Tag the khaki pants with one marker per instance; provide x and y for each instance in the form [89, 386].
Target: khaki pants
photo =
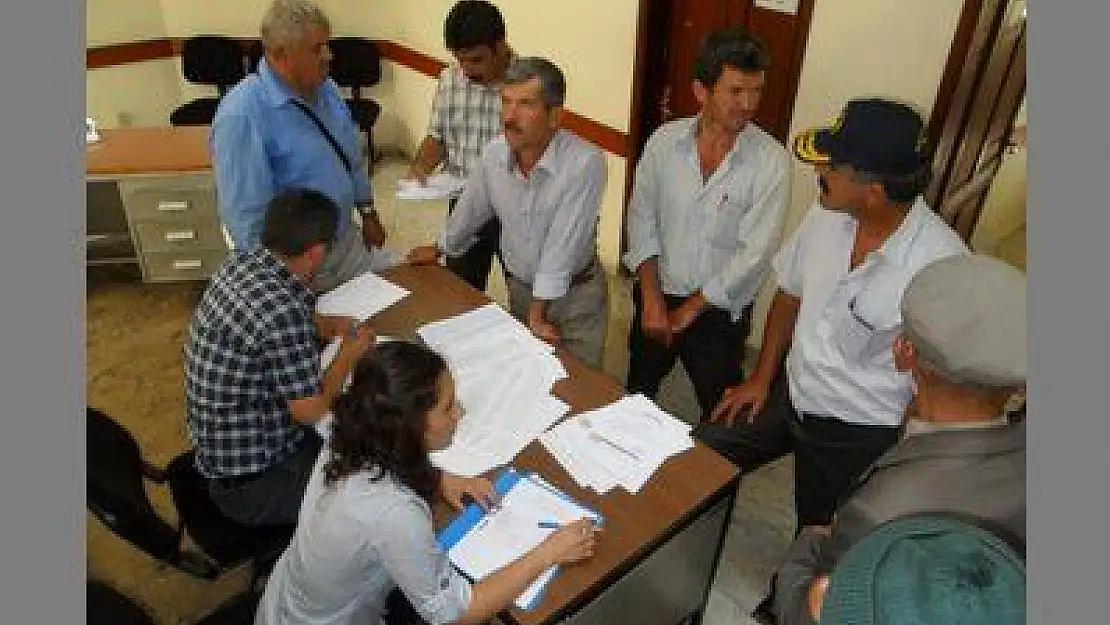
[581, 315]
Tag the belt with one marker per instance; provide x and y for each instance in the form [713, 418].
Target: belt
[236, 481]
[578, 279]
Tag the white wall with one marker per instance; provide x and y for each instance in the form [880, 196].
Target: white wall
[141, 94]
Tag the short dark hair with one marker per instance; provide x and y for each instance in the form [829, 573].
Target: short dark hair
[473, 23]
[380, 419]
[729, 46]
[297, 219]
[553, 86]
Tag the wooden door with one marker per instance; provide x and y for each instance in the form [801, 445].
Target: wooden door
[670, 32]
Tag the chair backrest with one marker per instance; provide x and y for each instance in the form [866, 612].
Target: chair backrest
[114, 490]
[356, 63]
[213, 60]
[255, 52]
[238, 610]
[104, 605]
[224, 540]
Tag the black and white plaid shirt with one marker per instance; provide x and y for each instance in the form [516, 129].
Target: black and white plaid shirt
[251, 347]
[465, 116]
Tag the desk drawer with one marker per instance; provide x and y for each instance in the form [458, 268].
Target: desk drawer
[181, 265]
[180, 199]
[190, 236]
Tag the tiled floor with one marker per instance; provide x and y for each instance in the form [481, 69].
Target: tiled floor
[763, 521]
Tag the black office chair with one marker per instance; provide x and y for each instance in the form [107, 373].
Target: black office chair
[357, 65]
[115, 494]
[213, 60]
[104, 605]
[238, 610]
[255, 52]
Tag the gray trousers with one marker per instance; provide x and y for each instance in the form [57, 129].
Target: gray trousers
[349, 258]
[581, 315]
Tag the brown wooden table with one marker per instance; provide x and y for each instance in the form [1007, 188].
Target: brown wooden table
[659, 549]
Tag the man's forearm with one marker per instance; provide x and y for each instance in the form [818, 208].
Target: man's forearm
[537, 309]
[428, 156]
[648, 277]
[778, 331]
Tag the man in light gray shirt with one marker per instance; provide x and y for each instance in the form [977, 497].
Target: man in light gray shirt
[706, 214]
[544, 184]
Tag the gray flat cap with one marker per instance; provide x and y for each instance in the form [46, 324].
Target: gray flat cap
[965, 315]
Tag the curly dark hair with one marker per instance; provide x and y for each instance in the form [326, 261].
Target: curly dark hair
[380, 419]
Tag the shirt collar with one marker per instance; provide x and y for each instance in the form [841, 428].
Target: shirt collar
[282, 273]
[549, 161]
[277, 90]
[688, 137]
[900, 242]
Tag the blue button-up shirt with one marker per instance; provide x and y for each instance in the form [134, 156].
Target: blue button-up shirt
[261, 144]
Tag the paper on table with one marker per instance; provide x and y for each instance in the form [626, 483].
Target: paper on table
[512, 530]
[438, 187]
[361, 297]
[623, 443]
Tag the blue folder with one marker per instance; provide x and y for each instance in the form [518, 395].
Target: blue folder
[472, 514]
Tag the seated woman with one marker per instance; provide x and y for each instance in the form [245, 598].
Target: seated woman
[365, 524]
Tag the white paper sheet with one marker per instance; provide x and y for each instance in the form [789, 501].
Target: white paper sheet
[621, 444]
[513, 530]
[361, 297]
[438, 187]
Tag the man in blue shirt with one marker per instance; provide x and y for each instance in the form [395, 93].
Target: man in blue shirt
[271, 132]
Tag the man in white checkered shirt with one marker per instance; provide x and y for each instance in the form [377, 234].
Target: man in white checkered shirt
[253, 384]
[466, 116]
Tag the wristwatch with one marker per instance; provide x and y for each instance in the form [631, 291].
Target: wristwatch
[366, 209]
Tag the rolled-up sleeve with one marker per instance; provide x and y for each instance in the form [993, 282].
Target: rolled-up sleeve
[787, 261]
[643, 212]
[244, 180]
[738, 281]
[573, 233]
[437, 122]
[406, 547]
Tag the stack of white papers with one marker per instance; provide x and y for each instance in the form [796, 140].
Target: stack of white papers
[621, 444]
[503, 376]
[437, 187]
[361, 297]
[513, 529]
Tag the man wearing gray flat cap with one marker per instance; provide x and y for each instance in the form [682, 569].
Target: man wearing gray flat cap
[963, 342]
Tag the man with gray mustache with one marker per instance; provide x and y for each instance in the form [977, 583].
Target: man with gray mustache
[544, 184]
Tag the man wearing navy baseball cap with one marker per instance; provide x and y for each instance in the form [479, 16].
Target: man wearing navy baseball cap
[825, 386]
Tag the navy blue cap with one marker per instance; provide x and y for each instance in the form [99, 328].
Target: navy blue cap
[872, 135]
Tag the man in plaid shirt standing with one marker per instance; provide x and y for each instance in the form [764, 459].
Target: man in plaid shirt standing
[466, 116]
[253, 383]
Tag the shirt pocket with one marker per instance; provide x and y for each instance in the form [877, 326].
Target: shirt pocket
[725, 216]
[865, 329]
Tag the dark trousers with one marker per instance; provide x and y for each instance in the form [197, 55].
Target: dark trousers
[829, 454]
[474, 266]
[711, 350]
[272, 497]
